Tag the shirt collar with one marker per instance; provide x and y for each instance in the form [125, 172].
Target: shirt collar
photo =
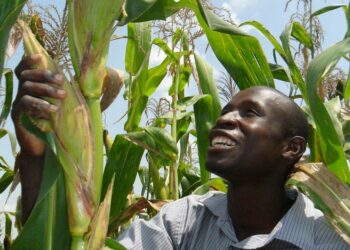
[296, 227]
[298, 224]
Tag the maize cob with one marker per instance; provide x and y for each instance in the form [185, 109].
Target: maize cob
[72, 133]
[327, 192]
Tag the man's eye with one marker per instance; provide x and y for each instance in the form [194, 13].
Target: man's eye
[251, 112]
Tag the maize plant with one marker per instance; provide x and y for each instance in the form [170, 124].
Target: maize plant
[77, 128]
[75, 156]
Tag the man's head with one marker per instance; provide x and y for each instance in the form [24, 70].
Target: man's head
[259, 132]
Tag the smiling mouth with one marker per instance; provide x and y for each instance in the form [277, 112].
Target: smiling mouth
[222, 142]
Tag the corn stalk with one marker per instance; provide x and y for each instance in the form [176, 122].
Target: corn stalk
[77, 128]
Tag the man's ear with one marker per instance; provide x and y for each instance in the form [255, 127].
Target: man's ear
[294, 148]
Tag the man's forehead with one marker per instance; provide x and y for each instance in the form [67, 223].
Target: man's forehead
[259, 95]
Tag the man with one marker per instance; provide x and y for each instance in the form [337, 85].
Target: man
[255, 143]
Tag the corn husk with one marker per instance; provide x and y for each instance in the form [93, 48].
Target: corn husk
[91, 25]
[327, 192]
[71, 130]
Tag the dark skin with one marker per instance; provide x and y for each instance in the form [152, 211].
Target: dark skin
[29, 100]
[248, 148]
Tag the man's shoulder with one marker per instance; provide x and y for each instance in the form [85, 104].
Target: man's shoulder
[325, 236]
[209, 200]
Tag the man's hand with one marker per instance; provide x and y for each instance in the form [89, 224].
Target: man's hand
[34, 85]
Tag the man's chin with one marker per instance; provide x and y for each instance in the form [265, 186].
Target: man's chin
[217, 169]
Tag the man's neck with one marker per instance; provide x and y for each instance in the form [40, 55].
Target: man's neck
[256, 208]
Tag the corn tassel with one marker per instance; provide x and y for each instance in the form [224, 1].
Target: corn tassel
[72, 133]
[327, 192]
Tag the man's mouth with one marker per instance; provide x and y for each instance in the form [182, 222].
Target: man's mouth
[222, 142]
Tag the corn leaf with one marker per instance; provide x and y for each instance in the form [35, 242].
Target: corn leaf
[123, 162]
[206, 111]
[142, 87]
[327, 192]
[216, 184]
[184, 103]
[9, 11]
[327, 9]
[99, 224]
[6, 180]
[289, 59]
[8, 98]
[113, 244]
[47, 225]
[301, 35]
[204, 118]
[281, 73]
[331, 146]
[146, 10]
[239, 53]
[259, 26]
[156, 140]
[139, 43]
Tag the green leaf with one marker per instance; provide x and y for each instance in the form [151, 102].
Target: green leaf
[47, 225]
[123, 162]
[155, 77]
[142, 87]
[267, 34]
[8, 225]
[156, 140]
[216, 183]
[295, 73]
[207, 83]
[9, 11]
[331, 146]
[183, 146]
[184, 103]
[182, 126]
[281, 73]
[113, 244]
[299, 33]
[139, 42]
[239, 53]
[205, 118]
[206, 111]
[327, 9]
[146, 10]
[8, 98]
[6, 180]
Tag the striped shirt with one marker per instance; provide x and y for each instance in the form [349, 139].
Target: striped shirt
[203, 222]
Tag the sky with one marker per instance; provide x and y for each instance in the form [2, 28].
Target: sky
[269, 12]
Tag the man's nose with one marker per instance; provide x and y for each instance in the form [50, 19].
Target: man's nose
[229, 120]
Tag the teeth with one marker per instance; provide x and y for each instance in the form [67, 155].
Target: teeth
[222, 141]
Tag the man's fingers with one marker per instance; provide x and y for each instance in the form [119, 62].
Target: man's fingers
[37, 89]
[27, 62]
[41, 75]
[37, 107]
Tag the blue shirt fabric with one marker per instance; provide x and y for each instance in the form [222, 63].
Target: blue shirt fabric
[203, 222]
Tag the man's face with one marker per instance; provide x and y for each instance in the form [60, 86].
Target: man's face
[247, 138]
